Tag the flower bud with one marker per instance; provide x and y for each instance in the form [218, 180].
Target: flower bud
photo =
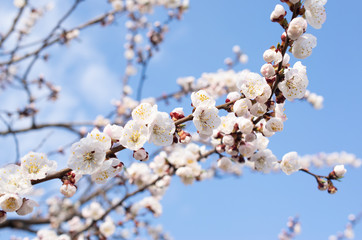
[267, 70]
[322, 184]
[228, 140]
[140, 154]
[339, 171]
[68, 190]
[177, 114]
[332, 189]
[296, 28]
[232, 96]
[278, 14]
[269, 55]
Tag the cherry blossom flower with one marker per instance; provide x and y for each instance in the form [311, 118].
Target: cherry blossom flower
[113, 131]
[27, 207]
[36, 165]
[206, 119]
[87, 156]
[252, 86]
[315, 12]
[241, 107]
[134, 135]
[161, 129]
[108, 170]
[274, 124]
[12, 180]
[144, 113]
[296, 28]
[290, 163]
[295, 83]
[202, 98]
[10, 202]
[227, 123]
[303, 46]
[263, 160]
[224, 163]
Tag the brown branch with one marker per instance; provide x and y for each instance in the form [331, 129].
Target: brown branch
[12, 28]
[57, 39]
[24, 223]
[68, 126]
[58, 174]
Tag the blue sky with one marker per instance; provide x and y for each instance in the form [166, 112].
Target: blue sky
[255, 206]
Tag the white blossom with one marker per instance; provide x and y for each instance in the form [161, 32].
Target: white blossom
[252, 86]
[12, 180]
[274, 124]
[232, 96]
[36, 165]
[224, 163]
[134, 135]
[93, 211]
[86, 156]
[315, 12]
[27, 207]
[227, 123]
[68, 190]
[10, 202]
[102, 138]
[247, 149]
[339, 170]
[113, 131]
[303, 46]
[144, 113]
[296, 28]
[267, 70]
[162, 129]
[186, 174]
[269, 55]
[107, 228]
[206, 119]
[263, 160]
[108, 170]
[278, 13]
[290, 163]
[245, 125]
[295, 82]
[228, 140]
[241, 107]
[264, 97]
[202, 98]
[19, 3]
[258, 109]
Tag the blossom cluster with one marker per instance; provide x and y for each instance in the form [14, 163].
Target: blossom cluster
[15, 183]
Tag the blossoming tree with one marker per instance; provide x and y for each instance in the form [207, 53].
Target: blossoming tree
[100, 194]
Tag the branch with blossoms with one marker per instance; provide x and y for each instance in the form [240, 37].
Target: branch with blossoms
[254, 109]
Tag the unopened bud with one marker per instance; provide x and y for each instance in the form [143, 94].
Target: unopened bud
[177, 114]
[68, 190]
[331, 188]
[140, 154]
[322, 184]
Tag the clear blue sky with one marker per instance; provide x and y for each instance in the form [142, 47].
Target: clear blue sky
[254, 206]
